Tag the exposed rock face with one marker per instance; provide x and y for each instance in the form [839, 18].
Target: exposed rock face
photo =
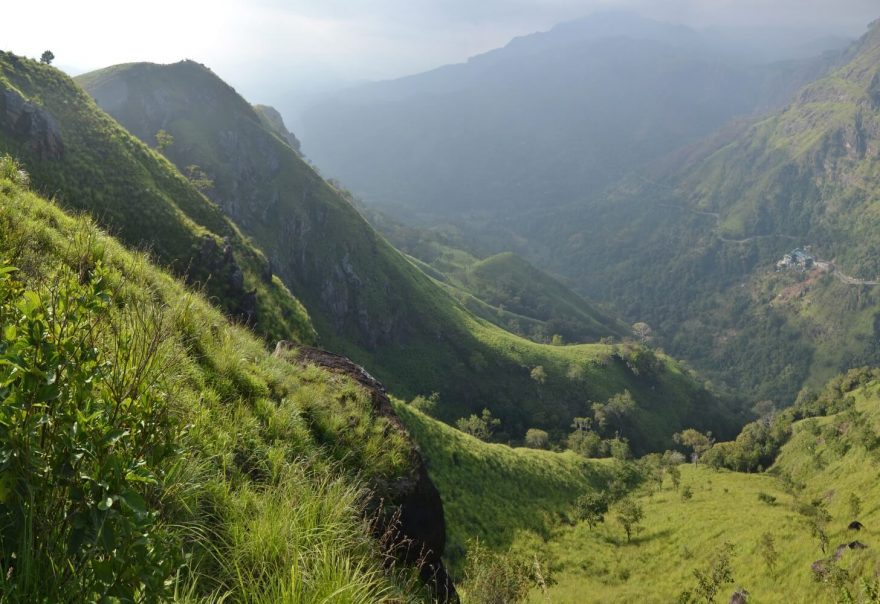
[273, 119]
[32, 125]
[416, 506]
[219, 261]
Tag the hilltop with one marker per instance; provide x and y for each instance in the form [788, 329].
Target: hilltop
[85, 160]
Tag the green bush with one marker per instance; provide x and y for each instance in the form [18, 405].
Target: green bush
[501, 578]
[86, 442]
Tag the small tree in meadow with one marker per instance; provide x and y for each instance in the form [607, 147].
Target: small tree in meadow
[718, 574]
[630, 515]
[696, 441]
[855, 506]
[769, 553]
[47, 57]
[674, 476]
[591, 508]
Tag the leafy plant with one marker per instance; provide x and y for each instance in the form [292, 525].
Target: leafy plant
[86, 438]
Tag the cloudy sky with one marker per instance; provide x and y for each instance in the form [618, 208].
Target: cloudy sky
[266, 46]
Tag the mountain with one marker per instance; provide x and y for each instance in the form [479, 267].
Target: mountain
[365, 299]
[691, 246]
[84, 159]
[548, 119]
[154, 451]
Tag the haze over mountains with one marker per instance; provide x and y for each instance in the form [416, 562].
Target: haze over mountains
[546, 120]
[576, 263]
[566, 147]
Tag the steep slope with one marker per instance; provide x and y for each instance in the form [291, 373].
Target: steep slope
[545, 120]
[366, 300]
[691, 245]
[80, 156]
[153, 451]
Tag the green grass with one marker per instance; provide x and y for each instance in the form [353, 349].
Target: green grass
[492, 492]
[264, 498]
[680, 536]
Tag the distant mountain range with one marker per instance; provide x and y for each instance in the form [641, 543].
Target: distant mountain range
[549, 119]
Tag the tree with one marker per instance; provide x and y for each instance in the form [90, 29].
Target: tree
[537, 439]
[591, 508]
[163, 140]
[629, 516]
[855, 506]
[615, 410]
[587, 443]
[47, 57]
[697, 442]
[675, 476]
[480, 427]
[718, 574]
[768, 552]
[642, 331]
[539, 374]
[198, 178]
[557, 340]
[426, 404]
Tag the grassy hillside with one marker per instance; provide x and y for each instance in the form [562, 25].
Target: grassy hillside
[525, 500]
[78, 155]
[518, 289]
[493, 492]
[151, 450]
[365, 299]
[828, 460]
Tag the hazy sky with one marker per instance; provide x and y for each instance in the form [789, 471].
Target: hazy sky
[297, 43]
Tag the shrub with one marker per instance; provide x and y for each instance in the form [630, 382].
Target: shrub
[500, 578]
[537, 439]
[86, 439]
[480, 427]
[767, 498]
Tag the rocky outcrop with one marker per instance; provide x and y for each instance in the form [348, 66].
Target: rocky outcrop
[272, 118]
[31, 124]
[216, 261]
[413, 508]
